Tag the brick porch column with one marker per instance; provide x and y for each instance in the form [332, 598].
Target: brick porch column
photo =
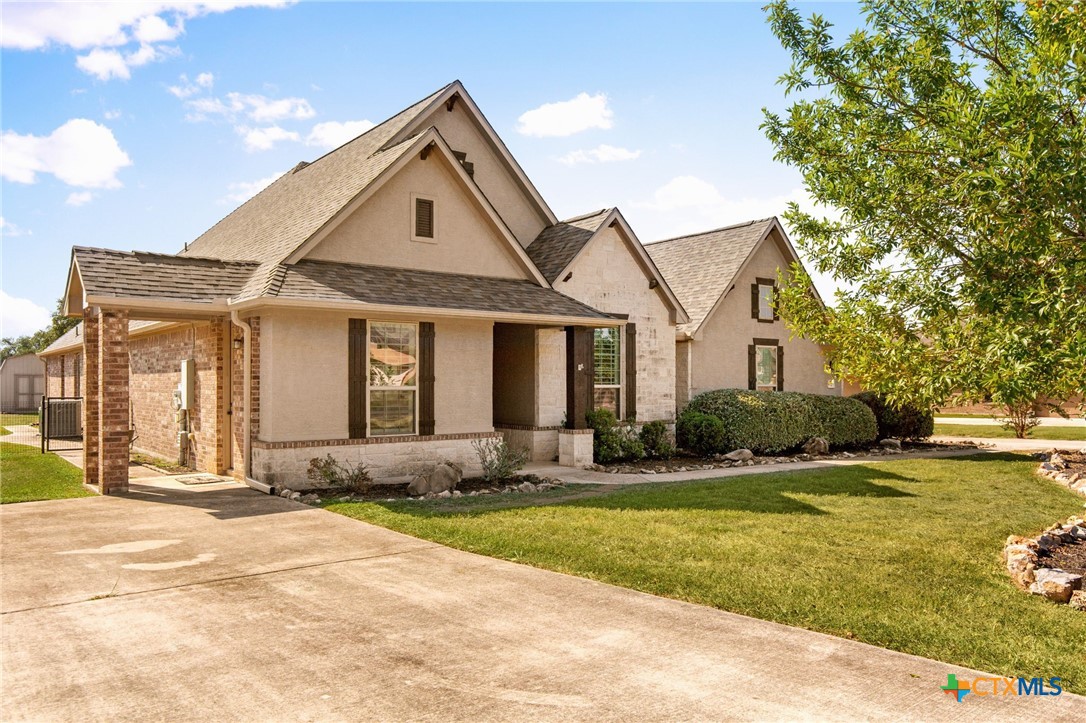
[89, 387]
[113, 410]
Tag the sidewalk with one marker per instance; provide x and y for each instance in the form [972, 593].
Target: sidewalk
[988, 421]
[572, 475]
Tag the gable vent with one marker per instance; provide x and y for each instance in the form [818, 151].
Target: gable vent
[424, 218]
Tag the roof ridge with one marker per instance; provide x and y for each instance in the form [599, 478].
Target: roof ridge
[583, 216]
[161, 254]
[713, 230]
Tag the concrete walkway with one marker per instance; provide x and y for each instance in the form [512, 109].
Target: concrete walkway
[221, 603]
[1014, 445]
[988, 421]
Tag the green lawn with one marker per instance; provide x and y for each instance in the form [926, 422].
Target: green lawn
[1075, 434]
[6, 419]
[903, 554]
[26, 474]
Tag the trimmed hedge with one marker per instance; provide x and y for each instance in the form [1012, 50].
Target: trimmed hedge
[901, 421]
[702, 434]
[772, 422]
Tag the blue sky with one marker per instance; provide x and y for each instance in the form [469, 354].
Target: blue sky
[137, 126]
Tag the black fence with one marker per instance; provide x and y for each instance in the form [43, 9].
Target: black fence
[60, 423]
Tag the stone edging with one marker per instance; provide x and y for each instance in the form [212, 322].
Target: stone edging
[1022, 556]
[1054, 468]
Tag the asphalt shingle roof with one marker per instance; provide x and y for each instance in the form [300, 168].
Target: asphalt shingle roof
[273, 223]
[701, 267]
[136, 274]
[557, 245]
[74, 336]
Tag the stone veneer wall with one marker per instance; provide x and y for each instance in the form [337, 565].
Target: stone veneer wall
[284, 464]
[541, 443]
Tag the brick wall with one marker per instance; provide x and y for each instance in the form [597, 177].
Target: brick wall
[63, 375]
[237, 391]
[113, 409]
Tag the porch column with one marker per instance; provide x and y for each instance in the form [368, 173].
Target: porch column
[113, 411]
[89, 386]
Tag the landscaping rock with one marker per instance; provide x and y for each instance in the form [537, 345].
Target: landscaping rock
[890, 443]
[295, 496]
[443, 494]
[739, 455]
[1057, 462]
[817, 445]
[1078, 600]
[1056, 585]
[526, 487]
[286, 493]
[444, 478]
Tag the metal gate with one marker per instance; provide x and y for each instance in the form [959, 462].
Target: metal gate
[60, 422]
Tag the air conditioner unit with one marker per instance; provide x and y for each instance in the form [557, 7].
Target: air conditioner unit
[64, 418]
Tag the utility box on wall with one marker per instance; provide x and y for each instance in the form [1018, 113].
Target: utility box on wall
[187, 388]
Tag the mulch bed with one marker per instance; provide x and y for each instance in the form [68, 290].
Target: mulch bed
[384, 492]
[1070, 557]
[685, 462]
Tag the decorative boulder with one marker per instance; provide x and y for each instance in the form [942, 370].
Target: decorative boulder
[1078, 600]
[890, 443]
[739, 455]
[1057, 462]
[1056, 585]
[444, 478]
[817, 445]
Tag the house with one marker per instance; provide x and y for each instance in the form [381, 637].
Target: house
[726, 280]
[392, 302]
[22, 383]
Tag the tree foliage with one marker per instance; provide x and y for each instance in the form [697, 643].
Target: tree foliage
[33, 343]
[951, 138]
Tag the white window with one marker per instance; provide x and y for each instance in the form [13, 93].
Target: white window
[607, 369]
[393, 378]
[423, 218]
[765, 302]
[765, 368]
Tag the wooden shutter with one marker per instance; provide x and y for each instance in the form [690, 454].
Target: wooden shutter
[754, 301]
[357, 376]
[631, 371]
[427, 423]
[780, 368]
[579, 375]
[752, 372]
[424, 218]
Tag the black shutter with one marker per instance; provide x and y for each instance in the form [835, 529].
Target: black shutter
[424, 218]
[631, 372]
[780, 368]
[752, 374]
[357, 376]
[579, 375]
[426, 378]
[754, 301]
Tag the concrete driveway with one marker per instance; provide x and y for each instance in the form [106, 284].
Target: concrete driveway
[220, 603]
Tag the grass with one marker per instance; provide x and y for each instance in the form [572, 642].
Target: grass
[903, 554]
[1073, 434]
[26, 475]
[6, 419]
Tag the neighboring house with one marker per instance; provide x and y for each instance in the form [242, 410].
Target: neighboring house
[22, 383]
[726, 280]
[393, 302]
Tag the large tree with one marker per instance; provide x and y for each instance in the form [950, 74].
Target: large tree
[951, 136]
[58, 324]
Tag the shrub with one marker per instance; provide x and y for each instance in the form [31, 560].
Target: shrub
[499, 460]
[901, 421]
[1020, 419]
[328, 472]
[654, 438]
[701, 433]
[611, 442]
[773, 422]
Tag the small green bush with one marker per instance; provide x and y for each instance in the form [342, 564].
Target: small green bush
[655, 440]
[901, 421]
[328, 472]
[499, 460]
[610, 441]
[774, 422]
[701, 433]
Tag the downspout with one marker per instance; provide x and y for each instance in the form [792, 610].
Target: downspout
[246, 422]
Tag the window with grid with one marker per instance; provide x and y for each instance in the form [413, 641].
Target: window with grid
[607, 363]
[766, 293]
[393, 385]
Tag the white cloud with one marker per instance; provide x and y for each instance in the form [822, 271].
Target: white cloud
[186, 87]
[243, 191]
[686, 192]
[111, 114]
[79, 153]
[600, 154]
[10, 230]
[333, 134]
[79, 198]
[105, 26]
[567, 117]
[258, 108]
[21, 316]
[264, 139]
